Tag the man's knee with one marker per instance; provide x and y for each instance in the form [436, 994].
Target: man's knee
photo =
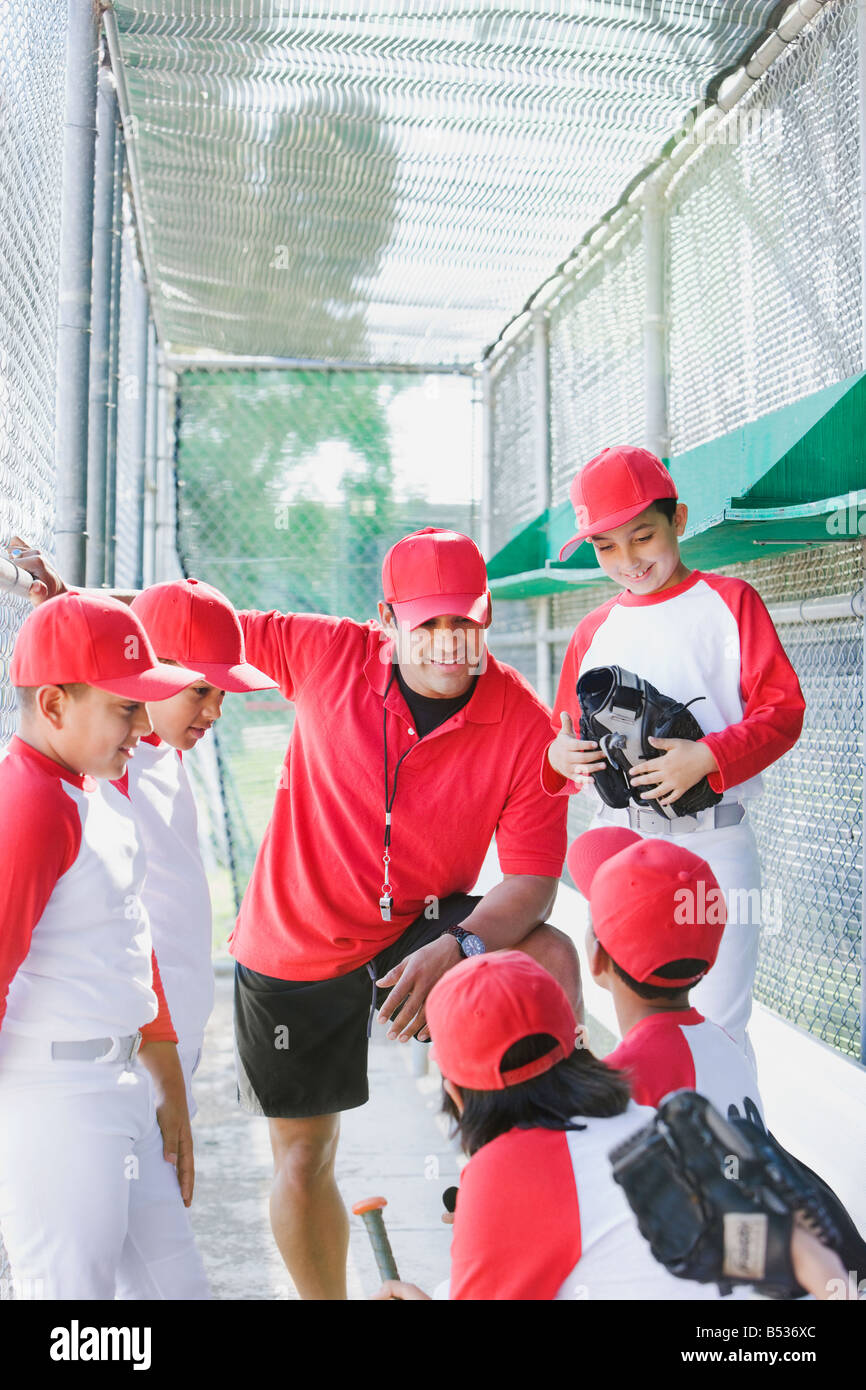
[556, 951]
[304, 1150]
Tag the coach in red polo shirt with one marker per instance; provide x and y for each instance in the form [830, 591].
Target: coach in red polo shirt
[412, 748]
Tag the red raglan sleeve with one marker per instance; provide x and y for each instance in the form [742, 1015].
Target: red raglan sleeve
[40, 834]
[566, 696]
[655, 1064]
[287, 646]
[531, 835]
[161, 1029]
[774, 705]
[517, 1224]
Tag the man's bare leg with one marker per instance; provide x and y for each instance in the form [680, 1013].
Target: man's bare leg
[556, 952]
[308, 1219]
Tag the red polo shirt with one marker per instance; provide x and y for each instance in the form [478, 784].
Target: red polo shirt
[311, 910]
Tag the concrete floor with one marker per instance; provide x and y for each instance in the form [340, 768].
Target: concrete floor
[396, 1146]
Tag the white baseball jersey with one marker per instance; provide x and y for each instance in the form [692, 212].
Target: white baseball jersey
[75, 951]
[540, 1217]
[681, 1050]
[176, 893]
[76, 963]
[709, 637]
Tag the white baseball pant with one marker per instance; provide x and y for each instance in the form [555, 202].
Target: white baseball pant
[89, 1207]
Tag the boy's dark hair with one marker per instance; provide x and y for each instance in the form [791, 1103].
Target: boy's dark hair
[26, 694]
[674, 970]
[667, 506]
[579, 1084]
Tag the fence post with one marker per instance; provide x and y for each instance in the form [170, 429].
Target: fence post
[541, 447]
[135, 397]
[164, 566]
[114, 363]
[148, 512]
[100, 324]
[74, 288]
[656, 425]
[486, 527]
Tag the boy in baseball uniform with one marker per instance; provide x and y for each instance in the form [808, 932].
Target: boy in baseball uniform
[690, 634]
[657, 921]
[180, 617]
[193, 625]
[89, 1206]
[539, 1216]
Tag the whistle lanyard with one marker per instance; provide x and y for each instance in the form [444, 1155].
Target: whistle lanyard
[386, 899]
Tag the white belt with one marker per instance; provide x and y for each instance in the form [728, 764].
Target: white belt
[18, 1045]
[655, 823]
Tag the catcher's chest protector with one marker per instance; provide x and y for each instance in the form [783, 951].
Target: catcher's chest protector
[620, 712]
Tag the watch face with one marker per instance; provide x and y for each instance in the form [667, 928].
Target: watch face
[472, 945]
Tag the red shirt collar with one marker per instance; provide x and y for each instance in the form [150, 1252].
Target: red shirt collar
[487, 701]
[78, 779]
[689, 1017]
[630, 600]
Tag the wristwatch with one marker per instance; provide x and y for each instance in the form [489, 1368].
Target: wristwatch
[469, 943]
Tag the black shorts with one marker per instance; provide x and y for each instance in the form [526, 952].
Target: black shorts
[301, 1045]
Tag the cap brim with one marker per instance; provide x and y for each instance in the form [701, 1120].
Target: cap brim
[238, 679]
[416, 611]
[160, 682]
[603, 523]
[589, 851]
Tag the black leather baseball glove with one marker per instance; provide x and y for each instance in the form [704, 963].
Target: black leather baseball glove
[620, 712]
[716, 1199]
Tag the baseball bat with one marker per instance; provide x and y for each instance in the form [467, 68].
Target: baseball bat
[370, 1210]
[18, 581]
[13, 579]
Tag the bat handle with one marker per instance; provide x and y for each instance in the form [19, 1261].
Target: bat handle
[14, 579]
[371, 1213]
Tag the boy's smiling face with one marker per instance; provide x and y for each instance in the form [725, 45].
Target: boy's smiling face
[643, 555]
[86, 729]
[184, 719]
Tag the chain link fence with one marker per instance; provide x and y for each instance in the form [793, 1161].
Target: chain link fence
[32, 78]
[32, 82]
[763, 284]
[291, 486]
[762, 307]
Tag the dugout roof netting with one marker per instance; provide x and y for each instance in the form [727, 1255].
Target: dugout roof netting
[387, 181]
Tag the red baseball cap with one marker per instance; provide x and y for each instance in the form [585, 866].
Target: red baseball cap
[589, 851]
[484, 1005]
[652, 902]
[192, 622]
[87, 639]
[615, 486]
[432, 572]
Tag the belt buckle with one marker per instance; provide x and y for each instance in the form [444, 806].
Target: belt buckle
[112, 1055]
[684, 828]
[651, 822]
[122, 1050]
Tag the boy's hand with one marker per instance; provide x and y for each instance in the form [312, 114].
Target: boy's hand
[400, 1290]
[47, 582]
[572, 757]
[172, 1114]
[672, 774]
